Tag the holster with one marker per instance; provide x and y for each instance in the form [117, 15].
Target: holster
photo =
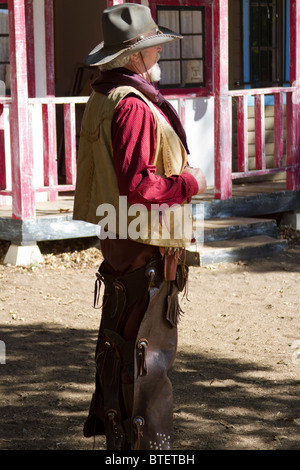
[136, 412]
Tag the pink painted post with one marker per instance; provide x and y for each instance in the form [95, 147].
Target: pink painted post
[49, 116]
[110, 3]
[2, 151]
[50, 147]
[242, 118]
[222, 122]
[49, 40]
[259, 113]
[182, 105]
[30, 48]
[278, 130]
[291, 120]
[293, 103]
[70, 142]
[23, 203]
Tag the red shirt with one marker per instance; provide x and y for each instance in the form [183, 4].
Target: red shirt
[134, 141]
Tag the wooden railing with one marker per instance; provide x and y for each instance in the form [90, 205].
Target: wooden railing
[51, 145]
[287, 139]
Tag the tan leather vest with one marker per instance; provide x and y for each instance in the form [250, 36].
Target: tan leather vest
[97, 190]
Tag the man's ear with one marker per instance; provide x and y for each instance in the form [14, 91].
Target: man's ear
[134, 58]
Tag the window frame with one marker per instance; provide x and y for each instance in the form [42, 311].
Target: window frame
[248, 83]
[181, 60]
[193, 91]
[4, 6]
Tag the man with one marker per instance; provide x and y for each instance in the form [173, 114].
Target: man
[133, 146]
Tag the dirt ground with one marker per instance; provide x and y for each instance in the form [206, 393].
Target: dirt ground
[236, 375]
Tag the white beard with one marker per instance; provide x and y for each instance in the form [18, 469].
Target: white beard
[155, 73]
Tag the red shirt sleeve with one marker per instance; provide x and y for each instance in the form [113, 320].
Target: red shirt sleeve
[133, 141]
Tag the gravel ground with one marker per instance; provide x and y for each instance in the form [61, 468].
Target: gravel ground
[236, 375]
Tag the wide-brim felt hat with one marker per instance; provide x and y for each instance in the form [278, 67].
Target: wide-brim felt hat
[128, 28]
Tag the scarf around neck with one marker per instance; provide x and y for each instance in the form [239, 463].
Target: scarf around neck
[111, 79]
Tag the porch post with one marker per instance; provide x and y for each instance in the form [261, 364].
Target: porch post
[293, 106]
[49, 111]
[111, 3]
[222, 120]
[23, 202]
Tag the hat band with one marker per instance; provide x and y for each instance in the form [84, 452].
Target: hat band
[131, 42]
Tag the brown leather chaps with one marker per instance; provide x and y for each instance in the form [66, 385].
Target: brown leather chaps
[132, 404]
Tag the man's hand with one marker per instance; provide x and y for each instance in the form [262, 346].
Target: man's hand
[198, 174]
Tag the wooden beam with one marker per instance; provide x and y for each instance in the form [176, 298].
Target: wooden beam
[242, 118]
[293, 105]
[49, 47]
[50, 147]
[2, 150]
[70, 142]
[30, 48]
[49, 112]
[23, 203]
[222, 121]
[260, 145]
[278, 130]
[111, 3]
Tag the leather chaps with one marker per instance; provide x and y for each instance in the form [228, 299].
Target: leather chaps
[132, 404]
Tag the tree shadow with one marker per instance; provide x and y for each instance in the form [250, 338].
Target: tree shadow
[48, 379]
[47, 382]
[223, 404]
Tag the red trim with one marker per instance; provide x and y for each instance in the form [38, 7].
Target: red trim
[182, 105]
[5, 193]
[291, 145]
[185, 92]
[55, 189]
[259, 91]
[269, 171]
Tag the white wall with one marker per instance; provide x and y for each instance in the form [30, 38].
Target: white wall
[39, 48]
[199, 126]
[199, 115]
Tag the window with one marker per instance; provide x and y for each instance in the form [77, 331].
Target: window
[4, 50]
[265, 43]
[182, 62]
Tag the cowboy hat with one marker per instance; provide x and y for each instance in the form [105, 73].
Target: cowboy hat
[128, 28]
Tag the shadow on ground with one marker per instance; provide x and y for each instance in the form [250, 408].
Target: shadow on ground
[47, 382]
